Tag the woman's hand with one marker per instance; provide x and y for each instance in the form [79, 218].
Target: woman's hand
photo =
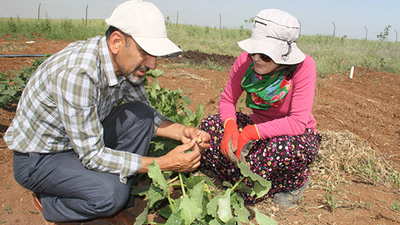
[246, 139]
[229, 142]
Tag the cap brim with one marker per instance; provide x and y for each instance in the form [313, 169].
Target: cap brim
[157, 46]
[274, 50]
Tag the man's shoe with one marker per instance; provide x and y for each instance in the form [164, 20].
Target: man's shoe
[38, 205]
[290, 198]
[121, 218]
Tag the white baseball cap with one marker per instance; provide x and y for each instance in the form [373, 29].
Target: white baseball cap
[275, 34]
[145, 23]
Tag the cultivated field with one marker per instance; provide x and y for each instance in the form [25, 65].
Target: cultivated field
[354, 181]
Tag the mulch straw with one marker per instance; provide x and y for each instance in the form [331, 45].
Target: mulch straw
[345, 158]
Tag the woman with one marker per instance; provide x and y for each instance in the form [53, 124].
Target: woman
[279, 139]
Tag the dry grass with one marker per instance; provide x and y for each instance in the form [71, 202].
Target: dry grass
[345, 158]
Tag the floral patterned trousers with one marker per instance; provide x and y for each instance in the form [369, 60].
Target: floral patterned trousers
[283, 160]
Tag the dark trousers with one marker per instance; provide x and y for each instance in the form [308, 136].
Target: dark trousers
[67, 190]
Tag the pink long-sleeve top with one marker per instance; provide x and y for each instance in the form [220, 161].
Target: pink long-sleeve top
[292, 117]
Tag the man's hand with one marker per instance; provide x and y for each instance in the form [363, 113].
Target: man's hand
[185, 134]
[181, 159]
[201, 137]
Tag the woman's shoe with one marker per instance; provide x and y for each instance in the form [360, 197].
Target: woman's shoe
[290, 198]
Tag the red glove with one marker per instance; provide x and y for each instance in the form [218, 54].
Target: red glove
[229, 142]
[246, 140]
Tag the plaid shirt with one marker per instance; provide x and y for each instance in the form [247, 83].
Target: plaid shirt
[66, 100]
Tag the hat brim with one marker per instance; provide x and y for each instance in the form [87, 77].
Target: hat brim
[157, 46]
[273, 48]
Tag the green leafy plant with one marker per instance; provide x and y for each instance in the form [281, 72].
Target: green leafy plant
[198, 204]
[383, 36]
[331, 201]
[11, 88]
[173, 105]
[396, 205]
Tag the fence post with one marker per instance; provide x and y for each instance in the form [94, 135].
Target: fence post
[334, 29]
[396, 35]
[220, 20]
[177, 16]
[86, 12]
[299, 28]
[38, 17]
[366, 33]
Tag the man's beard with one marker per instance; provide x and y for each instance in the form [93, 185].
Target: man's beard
[137, 80]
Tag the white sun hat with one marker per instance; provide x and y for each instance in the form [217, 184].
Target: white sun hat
[275, 34]
[145, 23]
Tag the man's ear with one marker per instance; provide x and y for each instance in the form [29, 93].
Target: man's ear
[116, 42]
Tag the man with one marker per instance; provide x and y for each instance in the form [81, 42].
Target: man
[75, 146]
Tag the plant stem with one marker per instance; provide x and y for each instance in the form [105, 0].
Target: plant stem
[183, 187]
[171, 203]
[237, 183]
[172, 180]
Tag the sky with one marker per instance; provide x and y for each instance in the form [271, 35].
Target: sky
[355, 19]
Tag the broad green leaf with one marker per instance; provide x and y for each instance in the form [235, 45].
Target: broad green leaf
[216, 222]
[189, 210]
[196, 193]
[239, 209]
[158, 179]
[260, 190]
[10, 92]
[174, 219]
[199, 115]
[159, 188]
[227, 184]
[193, 180]
[142, 218]
[187, 111]
[261, 185]
[167, 174]
[242, 213]
[232, 221]
[4, 99]
[165, 212]
[156, 73]
[186, 100]
[154, 195]
[244, 169]
[212, 206]
[263, 219]
[243, 187]
[19, 82]
[224, 207]
[140, 190]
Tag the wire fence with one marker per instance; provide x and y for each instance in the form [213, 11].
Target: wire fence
[232, 21]
[68, 10]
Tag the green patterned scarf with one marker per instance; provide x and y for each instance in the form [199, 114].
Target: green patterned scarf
[264, 92]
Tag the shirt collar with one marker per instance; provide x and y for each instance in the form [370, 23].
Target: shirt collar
[107, 63]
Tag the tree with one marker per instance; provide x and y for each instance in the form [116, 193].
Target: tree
[383, 36]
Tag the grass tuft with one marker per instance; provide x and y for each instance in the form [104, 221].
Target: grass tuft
[345, 158]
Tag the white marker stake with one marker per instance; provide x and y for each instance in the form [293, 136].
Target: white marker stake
[351, 72]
